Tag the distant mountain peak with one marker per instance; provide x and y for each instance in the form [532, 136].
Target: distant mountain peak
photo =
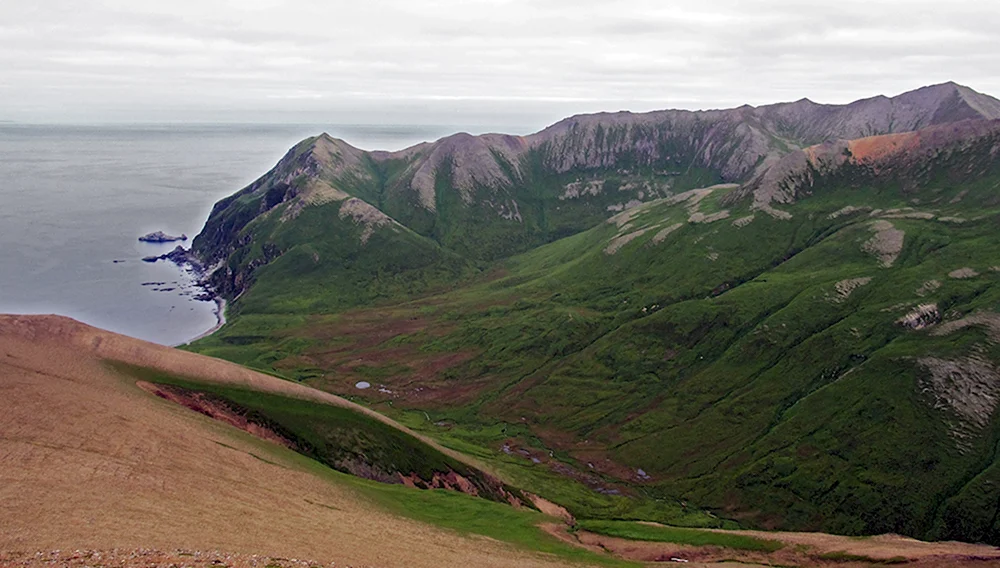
[473, 161]
[950, 102]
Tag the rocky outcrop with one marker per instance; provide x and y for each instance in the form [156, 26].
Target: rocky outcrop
[845, 288]
[161, 237]
[989, 321]
[902, 157]
[179, 256]
[886, 244]
[365, 215]
[924, 315]
[967, 388]
[724, 141]
[482, 485]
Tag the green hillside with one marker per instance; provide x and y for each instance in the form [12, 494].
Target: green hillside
[813, 349]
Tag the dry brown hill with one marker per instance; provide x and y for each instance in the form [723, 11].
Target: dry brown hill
[90, 461]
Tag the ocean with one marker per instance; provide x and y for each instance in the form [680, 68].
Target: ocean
[75, 200]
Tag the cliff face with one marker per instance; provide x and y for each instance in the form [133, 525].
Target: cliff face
[908, 158]
[491, 196]
[727, 142]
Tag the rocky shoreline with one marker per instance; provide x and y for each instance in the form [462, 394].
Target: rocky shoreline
[186, 259]
[179, 256]
[220, 320]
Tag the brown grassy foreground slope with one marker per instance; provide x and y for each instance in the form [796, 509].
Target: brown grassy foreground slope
[90, 461]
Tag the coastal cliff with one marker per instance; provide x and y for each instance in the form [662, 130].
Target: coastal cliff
[453, 204]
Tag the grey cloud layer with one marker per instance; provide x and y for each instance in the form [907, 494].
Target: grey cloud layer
[103, 58]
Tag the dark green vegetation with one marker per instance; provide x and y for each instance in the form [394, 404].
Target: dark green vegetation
[693, 353]
[341, 438]
[325, 435]
[691, 537]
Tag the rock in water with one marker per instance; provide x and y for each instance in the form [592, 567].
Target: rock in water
[179, 256]
[161, 237]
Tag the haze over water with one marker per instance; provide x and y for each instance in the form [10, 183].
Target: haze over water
[75, 199]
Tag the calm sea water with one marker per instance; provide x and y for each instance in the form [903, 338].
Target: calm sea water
[75, 199]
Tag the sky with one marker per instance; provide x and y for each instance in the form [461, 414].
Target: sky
[505, 62]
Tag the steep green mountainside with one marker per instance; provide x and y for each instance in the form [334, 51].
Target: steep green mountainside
[329, 213]
[813, 349]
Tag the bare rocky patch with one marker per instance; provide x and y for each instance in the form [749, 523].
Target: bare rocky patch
[578, 189]
[632, 204]
[474, 161]
[625, 217]
[844, 288]
[924, 315]
[968, 387]
[693, 197]
[923, 215]
[886, 244]
[963, 273]
[664, 233]
[701, 218]
[366, 215]
[845, 211]
[316, 193]
[621, 240]
[551, 509]
[744, 221]
[507, 210]
[988, 320]
[775, 213]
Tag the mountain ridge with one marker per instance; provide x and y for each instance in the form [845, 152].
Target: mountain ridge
[531, 189]
[794, 350]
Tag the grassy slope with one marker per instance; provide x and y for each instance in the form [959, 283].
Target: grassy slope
[692, 537]
[313, 260]
[727, 371]
[334, 269]
[332, 431]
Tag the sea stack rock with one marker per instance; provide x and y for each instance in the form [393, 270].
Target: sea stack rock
[161, 237]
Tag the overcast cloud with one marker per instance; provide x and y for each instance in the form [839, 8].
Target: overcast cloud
[470, 61]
